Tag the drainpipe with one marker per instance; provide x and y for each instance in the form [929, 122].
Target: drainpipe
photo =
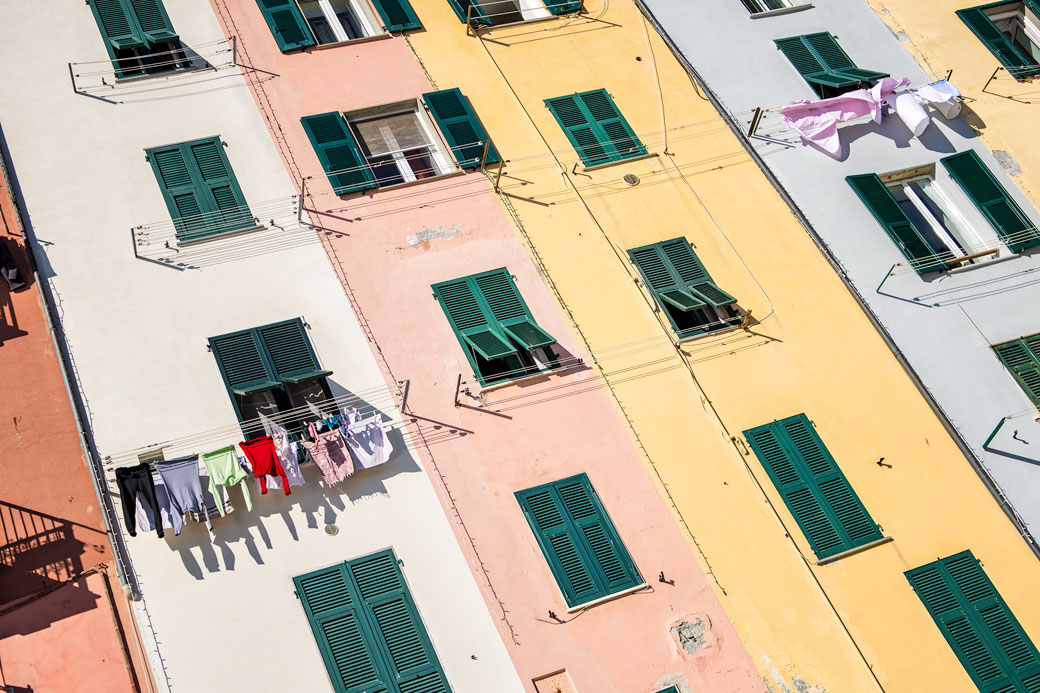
[115, 540]
[973, 460]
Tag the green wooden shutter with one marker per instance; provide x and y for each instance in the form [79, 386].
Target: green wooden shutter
[406, 647]
[899, 227]
[178, 186]
[596, 128]
[692, 274]
[471, 322]
[242, 363]
[286, 23]
[1022, 358]
[339, 154]
[344, 637]
[559, 7]
[397, 15]
[1002, 212]
[290, 352]
[154, 22]
[978, 625]
[677, 277]
[227, 209]
[476, 15]
[117, 24]
[1034, 7]
[509, 310]
[821, 60]
[460, 127]
[812, 486]
[1017, 63]
[579, 542]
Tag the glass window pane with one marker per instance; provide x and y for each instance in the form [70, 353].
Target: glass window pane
[323, 32]
[347, 18]
[940, 208]
[391, 134]
[919, 220]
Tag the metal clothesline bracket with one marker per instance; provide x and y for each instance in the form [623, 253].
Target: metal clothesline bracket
[992, 77]
[755, 120]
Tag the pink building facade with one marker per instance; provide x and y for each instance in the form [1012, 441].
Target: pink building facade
[390, 247]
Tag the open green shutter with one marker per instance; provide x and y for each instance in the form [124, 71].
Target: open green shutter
[899, 227]
[821, 60]
[1022, 358]
[476, 14]
[692, 274]
[509, 310]
[1034, 7]
[812, 486]
[339, 154]
[1018, 64]
[397, 15]
[614, 568]
[286, 23]
[798, 53]
[979, 627]
[559, 7]
[469, 321]
[153, 20]
[388, 604]
[241, 362]
[662, 280]
[1002, 212]
[290, 352]
[460, 127]
[341, 630]
[117, 24]
[225, 207]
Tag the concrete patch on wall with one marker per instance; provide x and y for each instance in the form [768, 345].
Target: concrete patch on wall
[422, 238]
[678, 680]
[1007, 162]
[692, 635]
[775, 683]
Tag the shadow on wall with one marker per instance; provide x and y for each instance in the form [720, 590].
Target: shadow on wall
[938, 290]
[38, 552]
[11, 257]
[245, 532]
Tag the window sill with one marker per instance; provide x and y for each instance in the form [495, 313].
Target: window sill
[853, 551]
[421, 181]
[609, 598]
[540, 374]
[700, 335]
[535, 20]
[222, 234]
[782, 10]
[157, 75]
[337, 44]
[626, 160]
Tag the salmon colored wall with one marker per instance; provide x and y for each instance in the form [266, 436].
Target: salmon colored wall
[528, 434]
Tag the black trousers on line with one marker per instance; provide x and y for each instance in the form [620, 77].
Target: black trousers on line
[137, 480]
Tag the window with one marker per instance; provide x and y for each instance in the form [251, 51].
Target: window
[1011, 31]
[979, 627]
[397, 143]
[932, 232]
[682, 287]
[596, 128]
[824, 65]
[494, 327]
[498, 12]
[1022, 358]
[301, 23]
[200, 189]
[812, 486]
[670, 689]
[758, 6]
[578, 540]
[139, 37]
[368, 628]
[271, 369]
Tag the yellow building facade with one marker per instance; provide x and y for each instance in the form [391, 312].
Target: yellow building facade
[801, 345]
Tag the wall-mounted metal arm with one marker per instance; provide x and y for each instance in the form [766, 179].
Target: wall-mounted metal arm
[985, 446]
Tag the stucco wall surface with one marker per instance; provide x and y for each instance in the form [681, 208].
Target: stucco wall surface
[808, 347]
[137, 330]
[521, 435]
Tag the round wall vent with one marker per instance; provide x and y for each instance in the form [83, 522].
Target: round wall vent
[331, 530]
[630, 179]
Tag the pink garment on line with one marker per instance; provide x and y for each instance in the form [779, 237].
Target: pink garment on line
[329, 453]
[817, 121]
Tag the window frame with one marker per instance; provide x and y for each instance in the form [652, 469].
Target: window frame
[363, 13]
[944, 235]
[784, 5]
[478, 16]
[148, 48]
[1026, 65]
[437, 149]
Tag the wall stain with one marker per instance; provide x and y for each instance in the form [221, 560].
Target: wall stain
[422, 238]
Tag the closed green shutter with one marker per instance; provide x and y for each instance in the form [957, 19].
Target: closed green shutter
[596, 128]
[339, 154]
[1018, 64]
[153, 20]
[577, 538]
[979, 627]
[562, 6]
[460, 127]
[200, 189]
[242, 363]
[117, 24]
[509, 310]
[1002, 212]
[397, 15]
[1022, 358]
[286, 23]
[476, 14]
[368, 629]
[899, 227]
[812, 486]
[290, 352]
[821, 61]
